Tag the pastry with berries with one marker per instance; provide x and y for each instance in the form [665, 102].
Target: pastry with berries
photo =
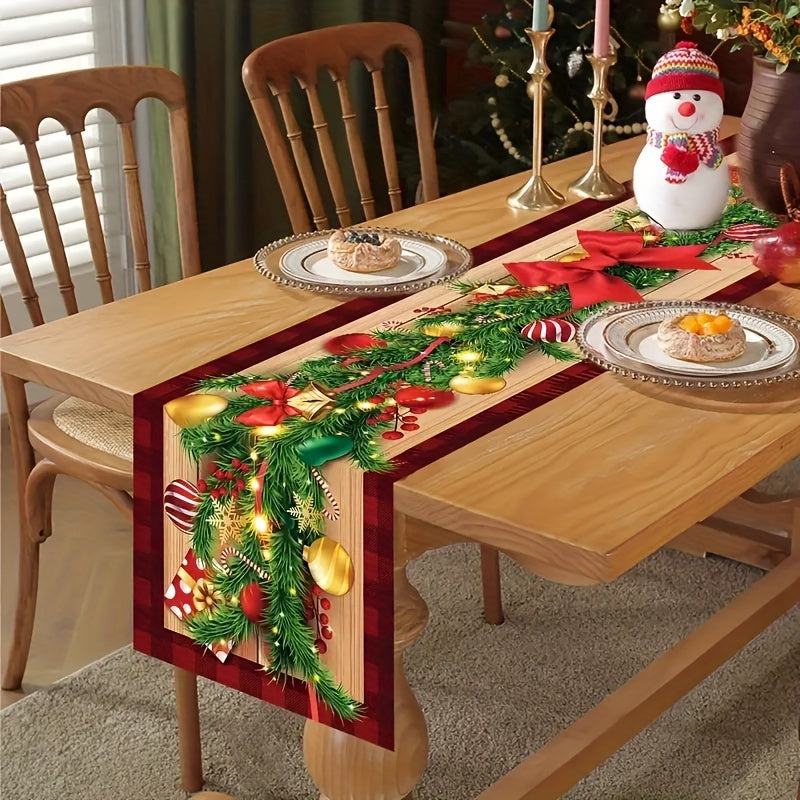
[363, 251]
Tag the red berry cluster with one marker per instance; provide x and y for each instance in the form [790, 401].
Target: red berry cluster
[403, 420]
[315, 607]
[225, 481]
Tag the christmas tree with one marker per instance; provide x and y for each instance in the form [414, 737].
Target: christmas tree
[490, 127]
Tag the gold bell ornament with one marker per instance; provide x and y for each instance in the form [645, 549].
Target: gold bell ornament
[313, 402]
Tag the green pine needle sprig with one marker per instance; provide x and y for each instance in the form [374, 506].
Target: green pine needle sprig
[222, 624]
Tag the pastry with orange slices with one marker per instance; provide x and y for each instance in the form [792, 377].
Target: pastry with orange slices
[702, 336]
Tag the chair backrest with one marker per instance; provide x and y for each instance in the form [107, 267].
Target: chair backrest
[272, 69]
[68, 97]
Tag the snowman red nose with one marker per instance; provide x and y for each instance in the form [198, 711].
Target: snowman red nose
[686, 109]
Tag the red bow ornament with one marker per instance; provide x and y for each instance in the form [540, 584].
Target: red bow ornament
[587, 282]
[279, 395]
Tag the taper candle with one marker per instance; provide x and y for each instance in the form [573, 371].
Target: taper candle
[601, 25]
[539, 22]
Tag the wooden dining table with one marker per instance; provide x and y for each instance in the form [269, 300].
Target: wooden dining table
[611, 445]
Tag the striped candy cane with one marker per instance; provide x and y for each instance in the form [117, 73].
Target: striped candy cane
[232, 551]
[332, 514]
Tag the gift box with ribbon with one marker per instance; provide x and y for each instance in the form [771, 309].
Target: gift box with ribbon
[190, 592]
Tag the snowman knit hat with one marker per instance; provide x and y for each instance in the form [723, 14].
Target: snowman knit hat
[684, 68]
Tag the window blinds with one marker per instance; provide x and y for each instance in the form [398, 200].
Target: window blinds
[41, 37]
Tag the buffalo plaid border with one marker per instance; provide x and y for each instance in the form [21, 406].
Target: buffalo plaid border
[152, 638]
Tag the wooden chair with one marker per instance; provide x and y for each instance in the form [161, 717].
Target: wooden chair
[272, 70]
[73, 436]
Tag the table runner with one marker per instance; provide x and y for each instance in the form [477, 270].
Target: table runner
[478, 417]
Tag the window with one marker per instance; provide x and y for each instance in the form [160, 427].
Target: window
[40, 37]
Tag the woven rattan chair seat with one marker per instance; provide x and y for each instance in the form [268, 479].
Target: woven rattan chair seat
[96, 426]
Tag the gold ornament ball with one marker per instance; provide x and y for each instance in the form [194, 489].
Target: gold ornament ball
[438, 329]
[530, 88]
[669, 21]
[472, 384]
[192, 409]
[330, 566]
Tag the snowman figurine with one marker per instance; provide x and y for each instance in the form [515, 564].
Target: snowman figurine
[679, 179]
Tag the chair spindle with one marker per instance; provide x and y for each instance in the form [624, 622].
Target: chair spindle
[52, 232]
[303, 161]
[387, 140]
[19, 263]
[91, 215]
[356, 148]
[328, 153]
[133, 194]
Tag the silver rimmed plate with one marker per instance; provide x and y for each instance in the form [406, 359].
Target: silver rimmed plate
[622, 339]
[303, 261]
[634, 335]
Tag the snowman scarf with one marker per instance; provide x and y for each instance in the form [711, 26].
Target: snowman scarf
[683, 153]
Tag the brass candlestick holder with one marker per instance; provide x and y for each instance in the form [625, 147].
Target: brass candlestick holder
[537, 194]
[597, 182]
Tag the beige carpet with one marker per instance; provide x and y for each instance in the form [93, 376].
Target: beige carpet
[491, 695]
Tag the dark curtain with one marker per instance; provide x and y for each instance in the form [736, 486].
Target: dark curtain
[239, 204]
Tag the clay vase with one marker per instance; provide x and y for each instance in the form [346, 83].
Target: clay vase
[770, 133]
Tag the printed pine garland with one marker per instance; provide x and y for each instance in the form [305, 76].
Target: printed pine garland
[273, 482]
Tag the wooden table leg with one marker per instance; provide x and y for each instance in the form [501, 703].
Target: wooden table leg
[28, 574]
[191, 755]
[346, 768]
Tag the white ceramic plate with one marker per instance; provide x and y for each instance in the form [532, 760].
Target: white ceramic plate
[302, 261]
[621, 339]
[633, 335]
[309, 262]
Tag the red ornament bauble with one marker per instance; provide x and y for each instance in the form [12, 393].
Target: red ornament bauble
[326, 632]
[181, 501]
[325, 603]
[347, 342]
[417, 397]
[777, 253]
[252, 601]
[322, 648]
[549, 330]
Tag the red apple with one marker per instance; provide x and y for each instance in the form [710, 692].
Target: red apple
[777, 253]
